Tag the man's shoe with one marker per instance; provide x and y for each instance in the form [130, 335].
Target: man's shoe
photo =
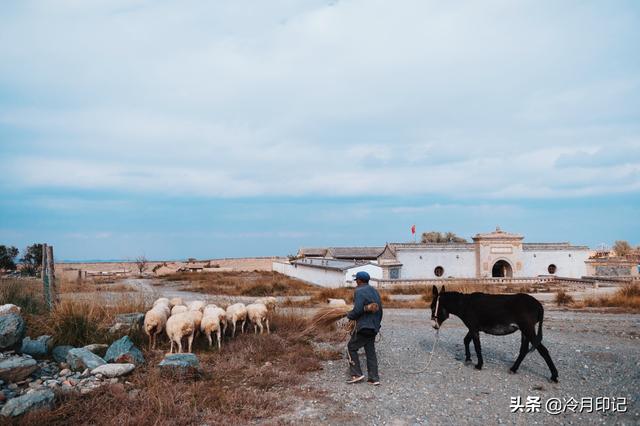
[355, 379]
[373, 382]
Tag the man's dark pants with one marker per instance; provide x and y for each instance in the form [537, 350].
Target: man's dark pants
[363, 338]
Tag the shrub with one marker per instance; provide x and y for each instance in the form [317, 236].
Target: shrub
[563, 298]
[79, 324]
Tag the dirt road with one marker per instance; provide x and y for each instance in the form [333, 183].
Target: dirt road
[597, 355]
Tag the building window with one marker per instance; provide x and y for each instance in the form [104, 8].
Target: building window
[552, 269]
[394, 273]
[439, 271]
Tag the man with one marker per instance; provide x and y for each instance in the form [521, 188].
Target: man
[367, 312]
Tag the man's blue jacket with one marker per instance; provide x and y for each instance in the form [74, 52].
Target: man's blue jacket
[364, 295]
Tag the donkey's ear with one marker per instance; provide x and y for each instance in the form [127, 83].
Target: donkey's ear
[434, 291]
[442, 289]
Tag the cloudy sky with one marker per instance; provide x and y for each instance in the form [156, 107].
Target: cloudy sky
[211, 128]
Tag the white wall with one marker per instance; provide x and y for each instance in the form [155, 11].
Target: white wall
[374, 271]
[413, 267]
[569, 263]
[326, 277]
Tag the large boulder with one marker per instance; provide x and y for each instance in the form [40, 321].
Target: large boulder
[180, 363]
[113, 370]
[124, 351]
[80, 359]
[12, 331]
[17, 368]
[36, 348]
[59, 353]
[39, 399]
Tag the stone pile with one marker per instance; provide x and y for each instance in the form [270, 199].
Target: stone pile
[32, 372]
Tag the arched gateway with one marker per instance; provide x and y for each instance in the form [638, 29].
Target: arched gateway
[502, 269]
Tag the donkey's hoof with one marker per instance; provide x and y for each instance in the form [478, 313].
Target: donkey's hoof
[512, 371]
[467, 361]
[478, 367]
[554, 379]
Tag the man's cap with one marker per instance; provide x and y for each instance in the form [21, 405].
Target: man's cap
[362, 276]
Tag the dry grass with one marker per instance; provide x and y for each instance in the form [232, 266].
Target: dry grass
[26, 293]
[626, 297]
[93, 285]
[563, 298]
[256, 283]
[251, 380]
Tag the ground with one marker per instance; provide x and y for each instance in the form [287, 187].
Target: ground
[596, 355]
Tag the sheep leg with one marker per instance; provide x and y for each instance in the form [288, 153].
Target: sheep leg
[219, 340]
[260, 325]
[191, 340]
[244, 321]
[268, 330]
[180, 345]
[171, 350]
[209, 338]
[234, 330]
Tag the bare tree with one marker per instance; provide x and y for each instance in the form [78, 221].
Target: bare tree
[622, 248]
[142, 263]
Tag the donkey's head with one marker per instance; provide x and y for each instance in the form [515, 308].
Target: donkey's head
[439, 313]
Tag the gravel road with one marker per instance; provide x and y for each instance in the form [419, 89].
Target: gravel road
[597, 355]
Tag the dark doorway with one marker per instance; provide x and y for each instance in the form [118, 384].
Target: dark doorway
[502, 269]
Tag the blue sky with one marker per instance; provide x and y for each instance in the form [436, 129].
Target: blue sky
[208, 129]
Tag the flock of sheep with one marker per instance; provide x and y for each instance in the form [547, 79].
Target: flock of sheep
[182, 320]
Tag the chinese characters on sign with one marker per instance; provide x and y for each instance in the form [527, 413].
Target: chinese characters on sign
[600, 404]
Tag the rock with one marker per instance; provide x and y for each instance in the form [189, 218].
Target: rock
[97, 348]
[113, 370]
[36, 399]
[180, 361]
[17, 368]
[124, 351]
[120, 328]
[12, 331]
[65, 372]
[36, 348]
[59, 353]
[9, 308]
[2, 397]
[135, 319]
[80, 359]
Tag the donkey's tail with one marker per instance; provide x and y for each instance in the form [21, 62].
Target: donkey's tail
[538, 339]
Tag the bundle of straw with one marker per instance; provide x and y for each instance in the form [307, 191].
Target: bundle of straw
[325, 318]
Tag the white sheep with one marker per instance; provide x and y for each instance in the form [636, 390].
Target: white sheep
[175, 302]
[236, 312]
[336, 302]
[155, 321]
[178, 309]
[196, 305]
[258, 313]
[180, 326]
[213, 319]
[162, 300]
[270, 302]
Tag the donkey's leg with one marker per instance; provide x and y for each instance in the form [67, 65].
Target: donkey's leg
[467, 352]
[545, 354]
[524, 350]
[476, 345]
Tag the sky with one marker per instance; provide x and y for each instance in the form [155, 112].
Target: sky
[226, 129]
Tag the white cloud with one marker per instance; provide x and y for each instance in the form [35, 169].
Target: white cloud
[488, 99]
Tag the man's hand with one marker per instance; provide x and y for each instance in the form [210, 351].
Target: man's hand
[372, 307]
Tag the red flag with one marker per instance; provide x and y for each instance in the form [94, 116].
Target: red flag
[413, 229]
